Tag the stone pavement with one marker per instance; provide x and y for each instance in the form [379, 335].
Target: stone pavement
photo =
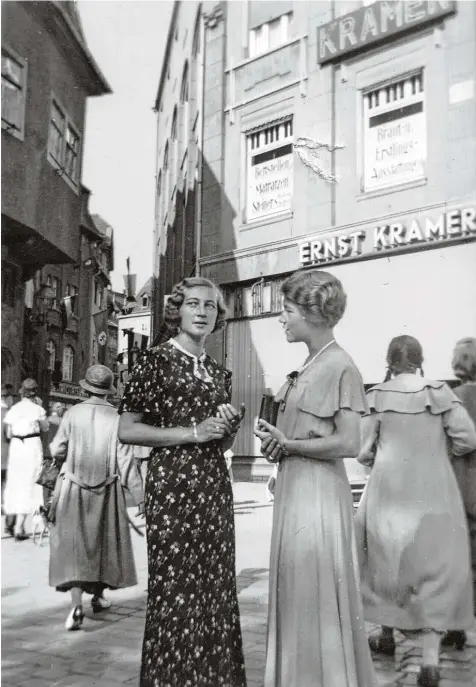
[38, 652]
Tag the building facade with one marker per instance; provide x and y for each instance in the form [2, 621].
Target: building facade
[133, 332]
[340, 135]
[48, 74]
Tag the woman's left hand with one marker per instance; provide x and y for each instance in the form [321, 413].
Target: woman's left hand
[231, 416]
[264, 430]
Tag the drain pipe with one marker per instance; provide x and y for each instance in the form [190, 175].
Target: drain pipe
[199, 195]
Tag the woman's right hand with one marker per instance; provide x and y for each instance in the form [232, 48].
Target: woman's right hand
[211, 429]
[271, 450]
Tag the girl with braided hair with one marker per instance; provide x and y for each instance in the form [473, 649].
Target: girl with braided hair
[411, 528]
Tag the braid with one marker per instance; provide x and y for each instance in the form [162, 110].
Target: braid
[388, 375]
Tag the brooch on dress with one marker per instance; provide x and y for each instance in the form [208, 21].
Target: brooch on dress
[292, 378]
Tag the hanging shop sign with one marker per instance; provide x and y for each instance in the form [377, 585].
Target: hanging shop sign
[372, 24]
[452, 225]
[270, 187]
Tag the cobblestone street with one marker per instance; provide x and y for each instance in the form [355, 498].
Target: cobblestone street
[38, 652]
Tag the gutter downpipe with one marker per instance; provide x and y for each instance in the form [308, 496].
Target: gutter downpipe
[199, 204]
[157, 231]
[333, 129]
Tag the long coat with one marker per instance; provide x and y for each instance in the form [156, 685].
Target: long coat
[90, 541]
[411, 528]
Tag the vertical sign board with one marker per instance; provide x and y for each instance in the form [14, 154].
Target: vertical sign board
[395, 147]
[369, 25]
[270, 187]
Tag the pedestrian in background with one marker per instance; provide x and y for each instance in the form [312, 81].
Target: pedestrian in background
[316, 630]
[464, 368]
[24, 422]
[7, 402]
[178, 402]
[411, 527]
[90, 541]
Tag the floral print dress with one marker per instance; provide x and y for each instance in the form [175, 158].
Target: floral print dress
[192, 633]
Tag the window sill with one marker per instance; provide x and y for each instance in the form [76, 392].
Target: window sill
[367, 195]
[269, 219]
[61, 173]
[13, 131]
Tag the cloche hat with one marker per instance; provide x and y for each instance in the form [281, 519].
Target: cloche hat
[98, 380]
[28, 387]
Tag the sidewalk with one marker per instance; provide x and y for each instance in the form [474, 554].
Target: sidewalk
[38, 652]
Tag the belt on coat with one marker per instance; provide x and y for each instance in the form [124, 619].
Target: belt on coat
[25, 436]
[90, 487]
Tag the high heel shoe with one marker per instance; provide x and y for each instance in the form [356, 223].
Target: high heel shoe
[429, 676]
[75, 618]
[382, 645]
[21, 535]
[456, 638]
[99, 603]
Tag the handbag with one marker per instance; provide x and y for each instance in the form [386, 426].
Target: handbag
[48, 475]
[269, 408]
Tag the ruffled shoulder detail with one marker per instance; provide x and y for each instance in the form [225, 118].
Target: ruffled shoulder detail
[412, 396]
[334, 383]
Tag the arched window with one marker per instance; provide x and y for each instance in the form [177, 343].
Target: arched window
[166, 172]
[68, 363]
[184, 112]
[51, 351]
[173, 151]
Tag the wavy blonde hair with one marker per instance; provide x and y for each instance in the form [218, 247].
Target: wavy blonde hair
[319, 294]
[174, 302]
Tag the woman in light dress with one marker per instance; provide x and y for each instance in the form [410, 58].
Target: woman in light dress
[411, 527]
[464, 368]
[24, 423]
[316, 631]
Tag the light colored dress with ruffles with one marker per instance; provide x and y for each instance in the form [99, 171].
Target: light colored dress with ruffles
[316, 631]
[411, 527]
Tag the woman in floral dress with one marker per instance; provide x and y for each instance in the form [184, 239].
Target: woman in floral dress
[177, 402]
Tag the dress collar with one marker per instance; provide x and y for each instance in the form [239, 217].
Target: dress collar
[175, 343]
[199, 369]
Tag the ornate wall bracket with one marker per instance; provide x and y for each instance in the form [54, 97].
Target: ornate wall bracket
[307, 151]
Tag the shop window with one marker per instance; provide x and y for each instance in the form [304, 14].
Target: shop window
[269, 170]
[394, 133]
[68, 363]
[13, 93]
[51, 355]
[270, 35]
[64, 143]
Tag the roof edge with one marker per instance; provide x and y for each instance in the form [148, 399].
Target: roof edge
[167, 51]
[100, 78]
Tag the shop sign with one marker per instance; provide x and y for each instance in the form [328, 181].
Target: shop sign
[395, 150]
[396, 236]
[70, 389]
[270, 187]
[369, 25]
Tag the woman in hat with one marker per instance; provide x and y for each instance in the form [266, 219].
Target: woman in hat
[316, 631]
[90, 543]
[178, 402]
[24, 423]
[411, 527]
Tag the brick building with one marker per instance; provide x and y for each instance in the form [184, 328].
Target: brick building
[48, 74]
[339, 134]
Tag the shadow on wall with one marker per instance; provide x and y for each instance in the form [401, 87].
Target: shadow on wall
[233, 346]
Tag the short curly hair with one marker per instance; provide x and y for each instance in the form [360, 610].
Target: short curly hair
[464, 359]
[319, 294]
[174, 302]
